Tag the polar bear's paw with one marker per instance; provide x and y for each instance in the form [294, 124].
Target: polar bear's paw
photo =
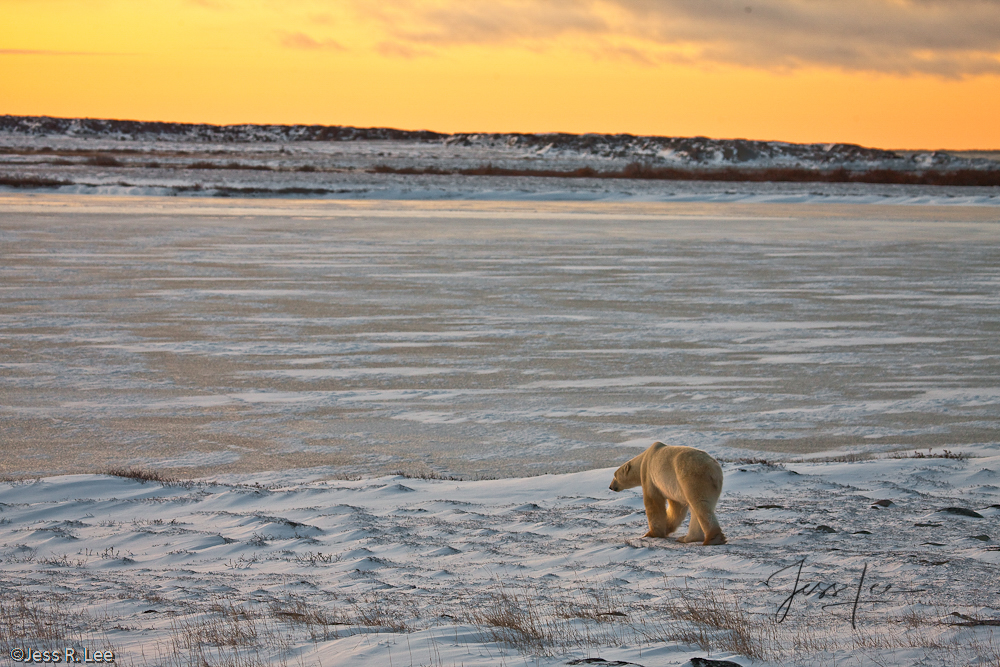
[715, 538]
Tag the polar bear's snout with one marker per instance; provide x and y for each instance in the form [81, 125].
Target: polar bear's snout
[623, 478]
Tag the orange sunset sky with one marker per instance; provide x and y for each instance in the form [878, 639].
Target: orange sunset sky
[885, 73]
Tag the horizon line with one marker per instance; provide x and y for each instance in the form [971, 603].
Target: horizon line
[512, 132]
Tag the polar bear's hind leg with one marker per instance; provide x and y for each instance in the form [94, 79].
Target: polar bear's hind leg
[701, 483]
[709, 531]
[715, 537]
[656, 515]
[695, 533]
[676, 511]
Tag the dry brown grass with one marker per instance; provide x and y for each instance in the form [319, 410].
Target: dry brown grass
[931, 454]
[519, 615]
[850, 457]
[636, 170]
[228, 165]
[374, 611]
[420, 470]
[44, 621]
[140, 475]
[602, 603]
[31, 182]
[26, 617]
[715, 621]
[515, 619]
[228, 635]
[320, 624]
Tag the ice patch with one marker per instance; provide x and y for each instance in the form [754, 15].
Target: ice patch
[344, 373]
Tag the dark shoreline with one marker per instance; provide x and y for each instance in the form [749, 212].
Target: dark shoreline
[634, 171]
[639, 171]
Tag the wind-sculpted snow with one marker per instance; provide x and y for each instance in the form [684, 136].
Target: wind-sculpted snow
[869, 559]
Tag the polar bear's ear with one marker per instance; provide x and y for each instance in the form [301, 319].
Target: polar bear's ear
[627, 466]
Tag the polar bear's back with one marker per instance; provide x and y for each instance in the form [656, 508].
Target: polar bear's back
[682, 473]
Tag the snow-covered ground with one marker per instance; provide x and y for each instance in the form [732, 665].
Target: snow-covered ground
[285, 357]
[869, 562]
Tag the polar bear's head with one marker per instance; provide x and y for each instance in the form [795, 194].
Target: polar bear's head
[626, 477]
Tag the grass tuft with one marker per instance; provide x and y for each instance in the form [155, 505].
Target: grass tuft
[424, 472]
[140, 475]
[931, 454]
[31, 182]
[639, 171]
[101, 160]
[516, 620]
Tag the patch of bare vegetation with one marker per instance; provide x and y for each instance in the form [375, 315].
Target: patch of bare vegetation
[515, 618]
[141, 475]
[855, 457]
[601, 603]
[516, 614]
[228, 635]
[320, 624]
[25, 617]
[754, 461]
[639, 171]
[29, 618]
[249, 635]
[537, 624]
[850, 457]
[103, 160]
[375, 611]
[424, 472]
[931, 454]
[716, 622]
[31, 182]
[958, 177]
[228, 165]
[19, 481]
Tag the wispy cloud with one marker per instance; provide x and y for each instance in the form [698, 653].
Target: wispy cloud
[398, 50]
[300, 40]
[950, 38]
[482, 21]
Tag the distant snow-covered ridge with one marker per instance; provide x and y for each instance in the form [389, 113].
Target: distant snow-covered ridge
[689, 152]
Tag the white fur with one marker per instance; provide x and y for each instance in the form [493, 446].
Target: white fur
[674, 479]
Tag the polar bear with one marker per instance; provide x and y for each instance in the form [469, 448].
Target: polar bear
[673, 479]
